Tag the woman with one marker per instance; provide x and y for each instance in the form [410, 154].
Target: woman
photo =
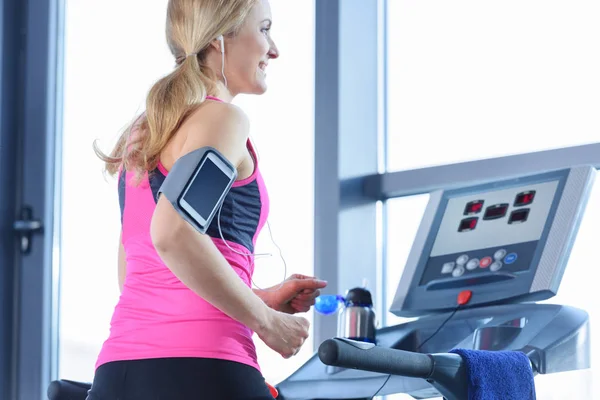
[183, 326]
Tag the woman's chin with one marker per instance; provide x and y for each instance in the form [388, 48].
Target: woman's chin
[260, 87]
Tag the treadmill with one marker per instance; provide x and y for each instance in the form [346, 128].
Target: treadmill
[503, 246]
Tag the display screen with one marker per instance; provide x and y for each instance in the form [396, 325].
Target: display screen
[462, 234]
[473, 207]
[495, 211]
[518, 216]
[467, 224]
[524, 198]
[206, 188]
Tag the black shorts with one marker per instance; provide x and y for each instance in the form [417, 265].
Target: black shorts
[178, 379]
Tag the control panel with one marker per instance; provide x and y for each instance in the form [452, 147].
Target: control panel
[505, 241]
[489, 232]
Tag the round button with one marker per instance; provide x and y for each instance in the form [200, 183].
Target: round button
[472, 264]
[499, 255]
[458, 271]
[485, 262]
[448, 267]
[511, 258]
[495, 266]
[462, 260]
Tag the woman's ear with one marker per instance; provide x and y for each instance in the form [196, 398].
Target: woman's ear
[219, 44]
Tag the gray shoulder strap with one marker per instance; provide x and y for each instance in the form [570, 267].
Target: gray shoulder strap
[179, 177]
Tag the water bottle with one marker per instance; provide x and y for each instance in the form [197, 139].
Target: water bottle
[356, 317]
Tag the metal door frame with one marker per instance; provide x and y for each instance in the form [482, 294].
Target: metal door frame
[31, 110]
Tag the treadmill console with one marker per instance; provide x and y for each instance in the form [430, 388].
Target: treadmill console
[505, 241]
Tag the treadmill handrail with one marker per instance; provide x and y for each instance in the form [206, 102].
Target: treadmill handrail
[446, 372]
[64, 389]
[346, 353]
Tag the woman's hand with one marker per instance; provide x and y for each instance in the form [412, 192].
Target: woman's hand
[284, 333]
[296, 294]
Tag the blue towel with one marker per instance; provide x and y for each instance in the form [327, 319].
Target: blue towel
[498, 375]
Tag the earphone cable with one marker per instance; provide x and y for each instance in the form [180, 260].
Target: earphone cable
[254, 256]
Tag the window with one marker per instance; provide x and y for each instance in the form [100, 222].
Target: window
[404, 216]
[282, 126]
[108, 73]
[577, 290]
[403, 219]
[471, 80]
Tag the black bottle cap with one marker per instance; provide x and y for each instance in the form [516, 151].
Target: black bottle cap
[359, 297]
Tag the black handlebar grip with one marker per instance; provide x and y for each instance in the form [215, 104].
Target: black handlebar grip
[68, 390]
[347, 353]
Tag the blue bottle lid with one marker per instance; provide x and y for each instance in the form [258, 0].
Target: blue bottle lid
[328, 303]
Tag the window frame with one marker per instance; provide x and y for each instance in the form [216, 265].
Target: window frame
[32, 90]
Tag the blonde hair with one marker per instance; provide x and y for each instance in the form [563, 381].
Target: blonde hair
[191, 27]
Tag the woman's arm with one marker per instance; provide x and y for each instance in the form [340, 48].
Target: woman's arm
[296, 294]
[193, 257]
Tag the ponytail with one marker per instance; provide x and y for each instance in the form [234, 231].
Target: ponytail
[169, 102]
[191, 26]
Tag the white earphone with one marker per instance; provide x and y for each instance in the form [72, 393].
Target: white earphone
[220, 38]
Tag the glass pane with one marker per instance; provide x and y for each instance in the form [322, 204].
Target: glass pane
[290, 181]
[404, 216]
[108, 73]
[475, 79]
[576, 289]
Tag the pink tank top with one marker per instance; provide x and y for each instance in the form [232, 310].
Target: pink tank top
[157, 316]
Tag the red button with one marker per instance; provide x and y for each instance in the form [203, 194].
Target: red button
[464, 297]
[485, 262]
